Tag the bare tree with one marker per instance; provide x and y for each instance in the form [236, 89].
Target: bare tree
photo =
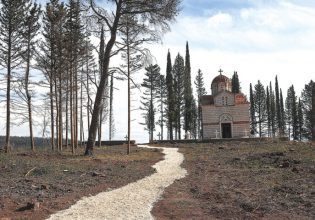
[154, 17]
[12, 16]
[31, 28]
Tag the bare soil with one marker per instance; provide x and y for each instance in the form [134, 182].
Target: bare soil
[35, 185]
[238, 180]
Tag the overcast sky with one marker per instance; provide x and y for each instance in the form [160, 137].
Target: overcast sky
[257, 38]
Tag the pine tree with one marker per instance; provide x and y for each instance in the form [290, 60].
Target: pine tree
[306, 102]
[188, 95]
[12, 20]
[170, 97]
[179, 74]
[31, 30]
[161, 96]
[200, 89]
[260, 107]
[236, 88]
[252, 110]
[74, 38]
[150, 83]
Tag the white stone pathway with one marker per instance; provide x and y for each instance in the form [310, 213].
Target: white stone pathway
[133, 201]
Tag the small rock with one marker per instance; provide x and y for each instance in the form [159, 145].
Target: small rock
[285, 164]
[44, 186]
[28, 206]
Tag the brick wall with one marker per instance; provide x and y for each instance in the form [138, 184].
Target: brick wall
[212, 114]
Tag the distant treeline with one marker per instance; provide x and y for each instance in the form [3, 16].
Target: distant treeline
[21, 142]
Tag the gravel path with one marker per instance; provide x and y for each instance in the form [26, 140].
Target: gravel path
[133, 201]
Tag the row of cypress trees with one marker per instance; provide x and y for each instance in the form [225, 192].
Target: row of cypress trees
[174, 97]
[272, 116]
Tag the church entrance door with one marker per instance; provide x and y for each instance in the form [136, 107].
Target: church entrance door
[226, 129]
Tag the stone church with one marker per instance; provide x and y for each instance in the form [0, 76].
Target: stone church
[224, 114]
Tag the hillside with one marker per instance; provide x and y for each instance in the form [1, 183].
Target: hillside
[267, 180]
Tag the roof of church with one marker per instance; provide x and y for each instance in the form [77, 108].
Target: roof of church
[240, 98]
[220, 78]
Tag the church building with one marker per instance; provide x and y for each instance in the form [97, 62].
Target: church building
[224, 114]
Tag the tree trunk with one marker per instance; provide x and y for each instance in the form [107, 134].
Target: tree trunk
[7, 137]
[102, 84]
[28, 96]
[67, 109]
[111, 107]
[71, 109]
[128, 72]
[52, 113]
[81, 112]
[57, 114]
[76, 106]
[60, 113]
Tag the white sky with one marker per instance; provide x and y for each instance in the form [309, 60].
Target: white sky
[257, 38]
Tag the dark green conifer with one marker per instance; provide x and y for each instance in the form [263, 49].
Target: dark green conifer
[188, 110]
[170, 103]
[200, 89]
[236, 87]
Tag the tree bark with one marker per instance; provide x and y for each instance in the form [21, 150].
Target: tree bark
[128, 72]
[28, 95]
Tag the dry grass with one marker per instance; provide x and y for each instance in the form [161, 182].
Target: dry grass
[271, 180]
[57, 180]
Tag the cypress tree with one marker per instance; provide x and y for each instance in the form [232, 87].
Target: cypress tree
[299, 120]
[260, 107]
[252, 110]
[179, 77]
[170, 96]
[268, 111]
[291, 113]
[306, 102]
[161, 96]
[188, 96]
[199, 83]
[282, 113]
[278, 109]
[272, 111]
[236, 88]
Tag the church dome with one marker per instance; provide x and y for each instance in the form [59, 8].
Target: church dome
[220, 79]
[221, 83]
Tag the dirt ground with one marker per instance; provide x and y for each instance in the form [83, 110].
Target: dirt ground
[34, 185]
[238, 180]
